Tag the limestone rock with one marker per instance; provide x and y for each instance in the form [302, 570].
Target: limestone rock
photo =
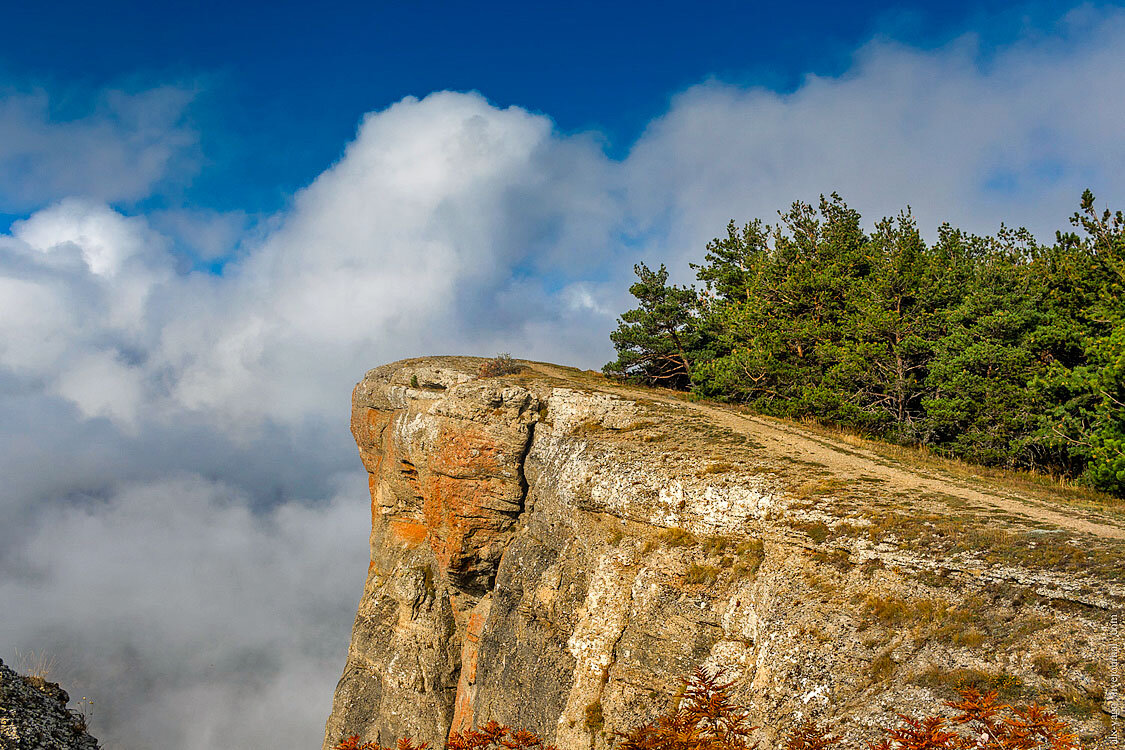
[550, 543]
[34, 716]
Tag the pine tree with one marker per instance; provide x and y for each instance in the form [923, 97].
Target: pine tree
[655, 340]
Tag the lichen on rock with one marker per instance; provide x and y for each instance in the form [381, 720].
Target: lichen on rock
[34, 715]
[548, 546]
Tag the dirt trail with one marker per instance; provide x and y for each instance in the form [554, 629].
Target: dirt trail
[849, 461]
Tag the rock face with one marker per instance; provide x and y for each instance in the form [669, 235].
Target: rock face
[554, 551]
[34, 716]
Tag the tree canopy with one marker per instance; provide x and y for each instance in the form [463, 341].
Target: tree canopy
[995, 349]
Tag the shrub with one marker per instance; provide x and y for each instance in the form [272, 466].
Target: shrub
[982, 721]
[501, 364]
[352, 743]
[707, 717]
[494, 736]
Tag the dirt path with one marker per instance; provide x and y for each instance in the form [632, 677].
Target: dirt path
[849, 461]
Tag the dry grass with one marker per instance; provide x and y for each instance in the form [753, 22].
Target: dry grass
[677, 537]
[1045, 666]
[944, 534]
[966, 624]
[882, 667]
[751, 553]
[595, 717]
[818, 531]
[819, 488]
[701, 574]
[35, 664]
[1043, 486]
[949, 682]
[715, 545]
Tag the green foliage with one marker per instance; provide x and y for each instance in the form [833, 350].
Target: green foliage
[997, 350]
[654, 340]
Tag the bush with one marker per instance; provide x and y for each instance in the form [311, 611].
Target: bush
[501, 364]
[708, 718]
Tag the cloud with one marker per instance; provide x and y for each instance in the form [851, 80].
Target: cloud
[78, 278]
[183, 514]
[962, 136]
[404, 246]
[191, 620]
[123, 145]
[215, 604]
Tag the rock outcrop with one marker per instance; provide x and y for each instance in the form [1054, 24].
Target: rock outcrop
[34, 716]
[554, 551]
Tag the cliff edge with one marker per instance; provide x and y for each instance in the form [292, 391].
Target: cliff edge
[34, 716]
[554, 551]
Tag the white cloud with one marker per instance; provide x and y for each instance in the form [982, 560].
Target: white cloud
[117, 150]
[104, 239]
[962, 137]
[79, 278]
[188, 617]
[400, 248]
[448, 225]
[101, 386]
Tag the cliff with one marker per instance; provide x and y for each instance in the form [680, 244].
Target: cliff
[34, 716]
[554, 551]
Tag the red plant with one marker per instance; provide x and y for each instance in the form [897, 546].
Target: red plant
[493, 736]
[352, 743]
[811, 736]
[707, 718]
[982, 723]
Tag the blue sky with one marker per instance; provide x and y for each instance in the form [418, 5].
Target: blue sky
[214, 217]
[280, 86]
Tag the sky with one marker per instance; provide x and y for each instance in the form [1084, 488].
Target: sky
[214, 217]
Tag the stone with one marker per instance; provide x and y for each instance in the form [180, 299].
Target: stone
[34, 716]
[550, 543]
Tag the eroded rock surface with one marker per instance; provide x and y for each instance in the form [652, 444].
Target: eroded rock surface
[34, 716]
[555, 551]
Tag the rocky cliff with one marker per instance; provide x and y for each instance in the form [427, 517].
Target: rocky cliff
[34, 716]
[554, 551]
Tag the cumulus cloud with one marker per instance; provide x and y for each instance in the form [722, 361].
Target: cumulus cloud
[78, 278]
[441, 228]
[182, 514]
[962, 136]
[117, 150]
